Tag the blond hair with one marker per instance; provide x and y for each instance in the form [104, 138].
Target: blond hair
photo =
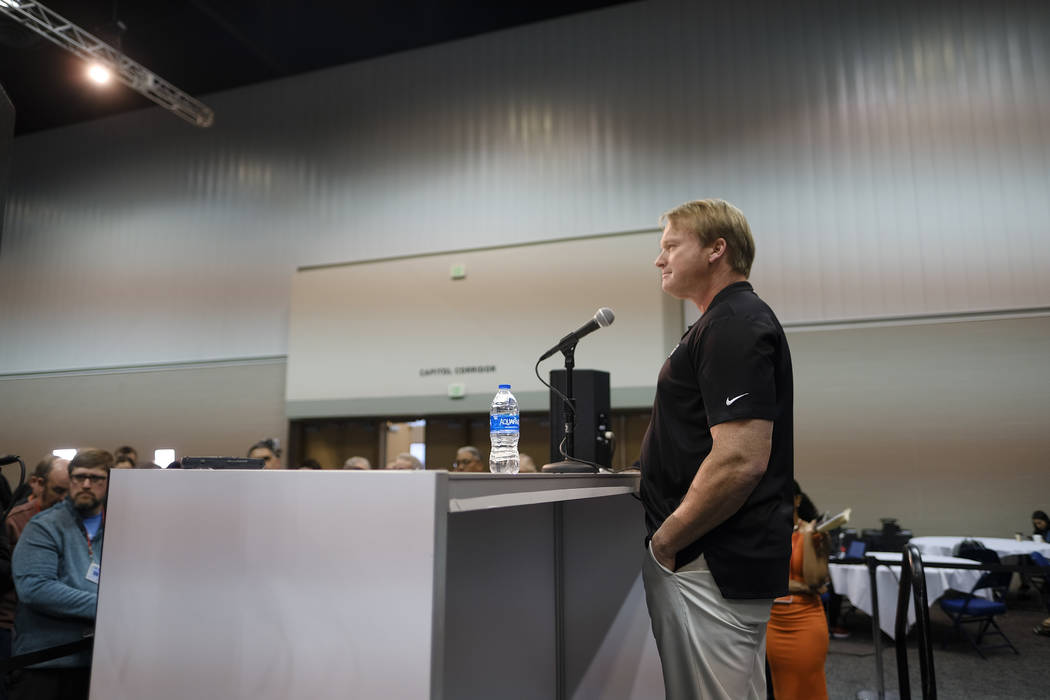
[711, 219]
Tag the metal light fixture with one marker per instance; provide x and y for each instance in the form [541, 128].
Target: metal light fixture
[56, 28]
[99, 74]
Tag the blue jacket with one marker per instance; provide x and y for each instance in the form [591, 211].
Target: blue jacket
[56, 601]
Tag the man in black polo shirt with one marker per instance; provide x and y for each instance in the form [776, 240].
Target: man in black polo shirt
[717, 464]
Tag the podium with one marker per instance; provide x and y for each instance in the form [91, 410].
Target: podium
[351, 584]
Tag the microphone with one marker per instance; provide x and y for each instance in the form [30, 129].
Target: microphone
[602, 317]
[8, 459]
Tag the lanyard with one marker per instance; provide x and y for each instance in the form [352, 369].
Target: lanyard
[87, 537]
[91, 552]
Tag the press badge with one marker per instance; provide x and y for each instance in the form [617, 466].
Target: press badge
[93, 572]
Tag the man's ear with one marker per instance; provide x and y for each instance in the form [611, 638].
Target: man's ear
[718, 249]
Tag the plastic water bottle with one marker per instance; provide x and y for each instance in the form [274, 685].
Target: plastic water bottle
[503, 432]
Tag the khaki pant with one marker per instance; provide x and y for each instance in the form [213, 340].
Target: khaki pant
[710, 647]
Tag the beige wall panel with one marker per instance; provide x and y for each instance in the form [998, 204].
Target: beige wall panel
[350, 343]
[197, 411]
[943, 426]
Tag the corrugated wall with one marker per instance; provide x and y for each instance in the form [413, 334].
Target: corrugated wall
[894, 159]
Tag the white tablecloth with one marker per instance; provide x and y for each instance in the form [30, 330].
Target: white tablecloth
[1003, 546]
[853, 581]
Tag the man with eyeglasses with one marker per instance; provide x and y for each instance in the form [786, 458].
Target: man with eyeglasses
[56, 571]
[468, 459]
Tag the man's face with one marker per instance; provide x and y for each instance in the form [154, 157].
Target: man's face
[88, 489]
[36, 487]
[1040, 524]
[270, 460]
[56, 487]
[467, 462]
[683, 262]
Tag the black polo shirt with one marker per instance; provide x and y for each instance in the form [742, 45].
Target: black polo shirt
[731, 364]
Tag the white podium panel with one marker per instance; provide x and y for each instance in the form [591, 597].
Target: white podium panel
[268, 585]
[329, 584]
[500, 629]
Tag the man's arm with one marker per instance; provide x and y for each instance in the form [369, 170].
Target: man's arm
[6, 582]
[738, 459]
[35, 565]
[13, 531]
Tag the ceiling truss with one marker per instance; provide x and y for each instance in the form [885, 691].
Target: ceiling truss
[56, 28]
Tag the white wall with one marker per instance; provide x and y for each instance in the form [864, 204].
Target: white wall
[212, 409]
[354, 354]
[941, 425]
[893, 157]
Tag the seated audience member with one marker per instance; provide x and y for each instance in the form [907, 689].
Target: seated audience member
[405, 461]
[123, 462]
[26, 491]
[6, 616]
[49, 484]
[526, 465]
[1040, 526]
[7, 500]
[797, 633]
[468, 459]
[56, 572]
[357, 463]
[268, 451]
[126, 453]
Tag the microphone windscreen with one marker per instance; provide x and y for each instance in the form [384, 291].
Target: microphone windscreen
[604, 316]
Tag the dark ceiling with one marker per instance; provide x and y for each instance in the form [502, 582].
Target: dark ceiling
[202, 46]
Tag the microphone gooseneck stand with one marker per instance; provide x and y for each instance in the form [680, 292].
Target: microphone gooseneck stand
[569, 465]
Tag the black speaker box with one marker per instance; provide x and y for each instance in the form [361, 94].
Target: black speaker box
[591, 390]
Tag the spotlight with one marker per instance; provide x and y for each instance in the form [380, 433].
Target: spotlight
[100, 74]
[32, 15]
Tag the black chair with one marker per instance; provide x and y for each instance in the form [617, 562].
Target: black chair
[913, 581]
[973, 549]
[1041, 580]
[977, 611]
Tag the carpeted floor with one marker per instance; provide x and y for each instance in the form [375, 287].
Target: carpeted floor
[960, 673]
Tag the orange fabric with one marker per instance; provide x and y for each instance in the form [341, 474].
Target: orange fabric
[797, 640]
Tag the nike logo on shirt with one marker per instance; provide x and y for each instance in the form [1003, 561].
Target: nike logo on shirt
[730, 402]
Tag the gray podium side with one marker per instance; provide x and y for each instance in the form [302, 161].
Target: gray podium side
[331, 584]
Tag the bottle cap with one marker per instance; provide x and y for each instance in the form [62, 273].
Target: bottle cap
[504, 386]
